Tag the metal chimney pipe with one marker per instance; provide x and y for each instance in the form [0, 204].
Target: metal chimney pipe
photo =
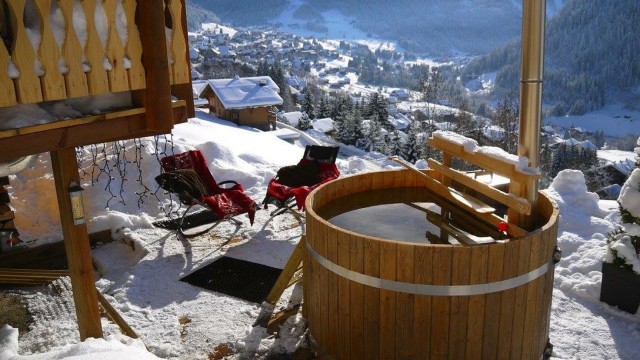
[532, 65]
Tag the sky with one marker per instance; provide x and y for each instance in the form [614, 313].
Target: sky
[139, 272]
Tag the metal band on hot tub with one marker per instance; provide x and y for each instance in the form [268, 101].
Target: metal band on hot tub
[432, 290]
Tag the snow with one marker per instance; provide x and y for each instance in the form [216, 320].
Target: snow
[217, 27]
[471, 146]
[243, 93]
[325, 125]
[139, 272]
[630, 194]
[613, 119]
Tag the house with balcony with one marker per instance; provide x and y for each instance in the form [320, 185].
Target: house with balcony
[244, 101]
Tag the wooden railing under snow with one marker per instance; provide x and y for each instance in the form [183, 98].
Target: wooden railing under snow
[60, 49]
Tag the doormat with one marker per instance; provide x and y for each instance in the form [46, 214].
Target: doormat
[190, 221]
[240, 278]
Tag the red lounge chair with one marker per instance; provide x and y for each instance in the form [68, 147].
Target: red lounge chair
[187, 175]
[293, 183]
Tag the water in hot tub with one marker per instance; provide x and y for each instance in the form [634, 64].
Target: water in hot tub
[400, 221]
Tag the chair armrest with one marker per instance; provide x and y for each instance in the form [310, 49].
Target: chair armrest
[228, 182]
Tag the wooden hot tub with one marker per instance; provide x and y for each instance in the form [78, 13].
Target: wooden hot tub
[377, 298]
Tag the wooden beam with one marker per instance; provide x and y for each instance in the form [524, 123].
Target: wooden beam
[288, 275]
[484, 161]
[446, 192]
[519, 204]
[157, 96]
[80, 132]
[113, 314]
[77, 247]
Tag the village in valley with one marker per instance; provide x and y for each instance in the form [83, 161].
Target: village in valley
[326, 86]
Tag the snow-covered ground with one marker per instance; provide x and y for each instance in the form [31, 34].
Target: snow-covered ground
[139, 272]
[613, 119]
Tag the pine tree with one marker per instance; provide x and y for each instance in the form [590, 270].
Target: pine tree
[394, 146]
[377, 109]
[506, 117]
[349, 131]
[307, 104]
[411, 149]
[323, 108]
[304, 123]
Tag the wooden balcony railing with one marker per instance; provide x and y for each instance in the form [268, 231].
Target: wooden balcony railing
[53, 50]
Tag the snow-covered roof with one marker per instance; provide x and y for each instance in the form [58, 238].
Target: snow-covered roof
[325, 125]
[292, 117]
[285, 134]
[400, 121]
[198, 86]
[248, 92]
[571, 142]
[588, 145]
[494, 132]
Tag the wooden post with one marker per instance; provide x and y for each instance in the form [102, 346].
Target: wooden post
[76, 241]
[157, 95]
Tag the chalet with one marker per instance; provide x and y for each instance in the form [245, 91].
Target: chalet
[292, 118]
[400, 94]
[244, 101]
[325, 125]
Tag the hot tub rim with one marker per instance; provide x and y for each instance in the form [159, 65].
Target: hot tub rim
[551, 221]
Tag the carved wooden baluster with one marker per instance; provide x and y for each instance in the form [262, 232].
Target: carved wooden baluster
[75, 79]
[115, 50]
[169, 37]
[97, 77]
[8, 97]
[178, 45]
[52, 82]
[133, 47]
[24, 57]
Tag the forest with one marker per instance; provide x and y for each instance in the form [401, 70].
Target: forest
[590, 52]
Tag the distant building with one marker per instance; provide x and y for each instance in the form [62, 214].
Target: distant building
[400, 94]
[244, 101]
[324, 125]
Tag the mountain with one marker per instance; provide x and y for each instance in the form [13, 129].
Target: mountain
[430, 27]
[590, 53]
[197, 15]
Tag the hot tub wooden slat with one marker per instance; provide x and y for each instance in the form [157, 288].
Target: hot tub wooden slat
[533, 292]
[371, 267]
[551, 244]
[440, 305]
[493, 304]
[311, 268]
[461, 259]
[356, 263]
[387, 302]
[520, 302]
[404, 302]
[323, 276]
[478, 271]
[344, 313]
[548, 245]
[507, 300]
[423, 259]
[333, 297]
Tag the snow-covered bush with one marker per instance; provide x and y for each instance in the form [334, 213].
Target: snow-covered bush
[624, 243]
